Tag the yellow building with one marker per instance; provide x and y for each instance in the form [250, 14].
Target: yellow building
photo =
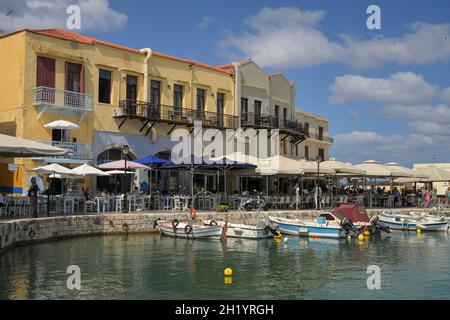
[116, 95]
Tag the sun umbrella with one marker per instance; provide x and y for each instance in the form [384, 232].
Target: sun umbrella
[432, 173]
[87, 170]
[120, 164]
[54, 168]
[410, 172]
[11, 147]
[113, 172]
[375, 169]
[61, 124]
[151, 161]
[341, 167]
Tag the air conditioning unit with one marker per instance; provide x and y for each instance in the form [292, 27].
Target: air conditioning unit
[117, 112]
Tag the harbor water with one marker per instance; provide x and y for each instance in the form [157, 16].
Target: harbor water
[150, 266]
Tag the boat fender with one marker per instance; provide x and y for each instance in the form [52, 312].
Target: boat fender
[125, 227]
[213, 223]
[193, 213]
[155, 223]
[175, 223]
[188, 229]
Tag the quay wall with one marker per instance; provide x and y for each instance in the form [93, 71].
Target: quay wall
[28, 230]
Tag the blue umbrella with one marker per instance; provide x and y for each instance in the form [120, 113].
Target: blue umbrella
[151, 161]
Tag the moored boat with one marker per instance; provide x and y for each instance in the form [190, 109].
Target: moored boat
[413, 221]
[346, 220]
[237, 230]
[186, 230]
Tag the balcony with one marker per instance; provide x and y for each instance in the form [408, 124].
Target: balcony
[61, 102]
[319, 137]
[258, 120]
[78, 152]
[145, 111]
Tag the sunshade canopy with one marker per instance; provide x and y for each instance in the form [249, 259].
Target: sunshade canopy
[120, 164]
[432, 173]
[341, 167]
[119, 172]
[61, 124]
[408, 172]
[375, 169]
[151, 161]
[54, 168]
[87, 170]
[11, 147]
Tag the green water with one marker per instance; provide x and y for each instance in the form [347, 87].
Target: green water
[158, 267]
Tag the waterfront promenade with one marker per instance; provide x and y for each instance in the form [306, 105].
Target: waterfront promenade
[26, 230]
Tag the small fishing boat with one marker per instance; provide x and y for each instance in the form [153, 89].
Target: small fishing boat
[190, 231]
[237, 230]
[413, 220]
[346, 220]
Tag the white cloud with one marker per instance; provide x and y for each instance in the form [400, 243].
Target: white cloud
[445, 95]
[429, 128]
[290, 38]
[353, 114]
[437, 114]
[357, 146]
[205, 22]
[96, 15]
[399, 88]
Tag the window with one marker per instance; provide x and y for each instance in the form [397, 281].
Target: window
[307, 128]
[296, 150]
[276, 113]
[45, 72]
[220, 107]
[257, 111]
[74, 78]
[104, 86]
[200, 102]
[321, 133]
[322, 154]
[155, 93]
[306, 152]
[244, 109]
[177, 97]
[131, 88]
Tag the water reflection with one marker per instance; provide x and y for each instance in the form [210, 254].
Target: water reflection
[158, 267]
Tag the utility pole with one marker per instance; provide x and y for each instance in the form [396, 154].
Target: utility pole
[11, 13]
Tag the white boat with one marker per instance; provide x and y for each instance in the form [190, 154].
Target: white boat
[236, 230]
[413, 221]
[185, 230]
[347, 219]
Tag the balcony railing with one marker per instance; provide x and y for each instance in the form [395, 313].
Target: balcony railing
[77, 151]
[174, 115]
[258, 120]
[62, 98]
[319, 137]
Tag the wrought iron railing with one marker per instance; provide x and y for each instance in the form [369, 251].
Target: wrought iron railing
[259, 120]
[63, 98]
[172, 114]
[78, 151]
[319, 137]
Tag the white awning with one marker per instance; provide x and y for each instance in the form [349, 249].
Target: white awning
[61, 124]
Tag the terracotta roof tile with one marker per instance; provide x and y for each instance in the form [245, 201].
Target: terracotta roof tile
[72, 36]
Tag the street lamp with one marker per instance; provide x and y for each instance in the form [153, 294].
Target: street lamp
[318, 160]
[125, 150]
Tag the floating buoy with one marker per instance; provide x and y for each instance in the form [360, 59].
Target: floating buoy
[228, 272]
[349, 238]
[419, 231]
[366, 233]
[360, 237]
[277, 237]
[285, 240]
[228, 280]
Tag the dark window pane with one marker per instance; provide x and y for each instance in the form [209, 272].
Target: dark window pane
[104, 86]
[177, 97]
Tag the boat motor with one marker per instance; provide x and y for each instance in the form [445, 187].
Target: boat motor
[347, 225]
[376, 225]
[271, 229]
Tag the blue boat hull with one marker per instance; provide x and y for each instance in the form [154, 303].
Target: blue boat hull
[309, 231]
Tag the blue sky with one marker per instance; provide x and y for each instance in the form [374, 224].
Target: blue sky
[386, 92]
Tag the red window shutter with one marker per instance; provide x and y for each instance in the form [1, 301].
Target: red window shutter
[45, 73]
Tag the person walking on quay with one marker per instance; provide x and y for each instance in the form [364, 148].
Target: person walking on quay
[317, 196]
[33, 193]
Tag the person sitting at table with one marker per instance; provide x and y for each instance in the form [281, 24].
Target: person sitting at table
[397, 195]
[136, 191]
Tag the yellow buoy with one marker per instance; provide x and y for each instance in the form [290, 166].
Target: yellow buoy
[366, 233]
[419, 231]
[228, 272]
[349, 238]
[360, 237]
[277, 237]
[228, 280]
